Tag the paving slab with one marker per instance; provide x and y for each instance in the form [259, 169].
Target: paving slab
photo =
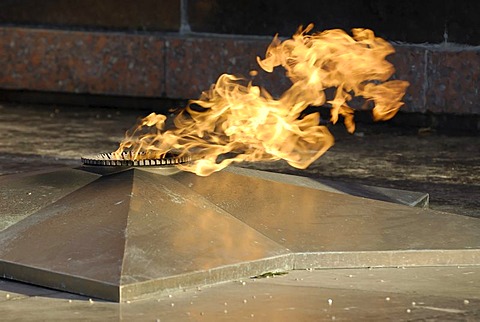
[382, 294]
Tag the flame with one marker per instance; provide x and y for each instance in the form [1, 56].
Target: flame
[236, 121]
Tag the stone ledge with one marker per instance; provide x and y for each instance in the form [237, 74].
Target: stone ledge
[181, 67]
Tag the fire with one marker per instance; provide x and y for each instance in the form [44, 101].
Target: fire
[236, 121]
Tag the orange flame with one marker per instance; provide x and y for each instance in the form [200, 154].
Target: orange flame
[236, 121]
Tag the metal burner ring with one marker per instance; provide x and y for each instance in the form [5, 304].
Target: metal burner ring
[126, 160]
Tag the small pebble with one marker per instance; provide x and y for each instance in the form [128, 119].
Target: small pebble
[69, 301]
[170, 295]
[387, 299]
[254, 297]
[413, 303]
[330, 301]
[225, 304]
[408, 310]
[173, 304]
[252, 315]
[7, 296]
[128, 302]
[90, 300]
[244, 301]
[225, 311]
[244, 283]
[466, 302]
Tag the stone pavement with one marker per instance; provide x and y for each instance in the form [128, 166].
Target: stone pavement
[383, 294]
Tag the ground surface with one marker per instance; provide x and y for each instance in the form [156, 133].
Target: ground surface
[413, 294]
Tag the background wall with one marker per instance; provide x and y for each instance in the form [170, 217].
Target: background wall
[162, 49]
[427, 21]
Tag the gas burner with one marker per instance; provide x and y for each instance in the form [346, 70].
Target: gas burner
[143, 159]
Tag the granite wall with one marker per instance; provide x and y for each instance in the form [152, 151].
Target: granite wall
[176, 49]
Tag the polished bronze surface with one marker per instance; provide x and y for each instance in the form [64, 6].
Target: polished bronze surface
[306, 219]
[23, 194]
[131, 233]
[404, 197]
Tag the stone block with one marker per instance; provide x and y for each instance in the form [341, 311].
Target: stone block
[410, 65]
[453, 78]
[81, 62]
[194, 64]
[163, 15]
